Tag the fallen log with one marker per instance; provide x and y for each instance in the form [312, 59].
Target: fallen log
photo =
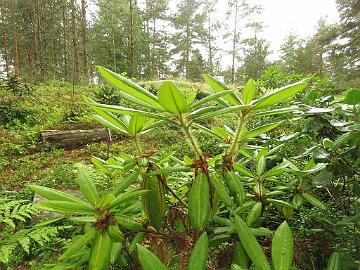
[75, 138]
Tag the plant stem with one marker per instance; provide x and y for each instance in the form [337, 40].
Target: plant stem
[172, 192]
[191, 138]
[240, 129]
[138, 145]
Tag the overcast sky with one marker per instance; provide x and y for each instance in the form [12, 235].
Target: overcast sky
[300, 17]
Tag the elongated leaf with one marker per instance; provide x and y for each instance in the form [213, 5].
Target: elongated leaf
[171, 99]
[78, 244]
[167, 170]
[87, 186]
[282, 248]
[249, 92]
[243, 170]
[240, 257]
[68, 207]
[127, 224]
[108, 124]
[125, 197]
[251, 245]
[148, 260]
[221, 112]
[53, 194]
[221, 190]
[279, 95]
[136, 124]
[218, 86]
[100, 252]
[314, 201]
[100, 164]
[199, 254]
[260, 130]
[254, 214]
[137, 238]
[199, 202]
[206, 130]
[125, 111]
[130, 88]
[127, 182]
[280, 202]
[210, 98]
[277, 111]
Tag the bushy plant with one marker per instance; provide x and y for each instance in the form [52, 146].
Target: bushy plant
[193, 205]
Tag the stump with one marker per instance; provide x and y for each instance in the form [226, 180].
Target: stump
[75, 138]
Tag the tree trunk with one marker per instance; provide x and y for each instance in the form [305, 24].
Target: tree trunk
[76, 71]
[5, 37]
[187, 53]
[132, 46]
[209, 44]
[234, 45]
[65, 50]
[85, 41]
[15, 43]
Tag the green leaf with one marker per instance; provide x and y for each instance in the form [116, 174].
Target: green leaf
[199, 202]
[78, 244]
[314, 201]
[214, 113]
[218, 86]
[136, 124]
[243, 170]
[87, 186]
[334, 262]
[100, 252]
[277, 111]
[353, 97]
[69, 207]
[240, 257]
[221, 190]
[199, 254]
[260, 130]
[211, 98]
[125, 183]
[254, 214]
[53, 194]
[260, 165]
[126, 197]
[282, 248]
[130, 88]
[279, 95]
[148, 260]
[135, 241]
[251, 245]
[171, 99]
[249, 92]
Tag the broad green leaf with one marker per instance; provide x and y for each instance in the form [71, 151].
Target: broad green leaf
[279, 95]
[277, 111]
[125, 111]
[125, 183]
[353, 97]
[251, 245]
[243, 170]
[126, 197]
[136, 124]
[137, 238]
[240, 257]
[249, 92]
[211, 98]
[214, 113]
[199, 254]
[100, 251]
[254, 214]
[280, 202]
[148, 260]
[221, 132]
[260, 130]
[169, 169]
[218, 86]
[123, 221]
[206, 130]
[78, 244]
[199, 202]
[87, 186]
[53, 194]
[100, 164]
[171, 99]
[68, 207]
[260, 165]
[221, 190]
[314, 201]
[129, 87]
[108, 124]
[334, 262]
[282, 248]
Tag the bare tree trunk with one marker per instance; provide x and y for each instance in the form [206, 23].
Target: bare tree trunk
[132, 39]
[5, 37]
[187, 53]
[76, 71]
[16, 48]
[321, 67]
[234, 45]
[85, 41]
[65, 50]
[209, 44]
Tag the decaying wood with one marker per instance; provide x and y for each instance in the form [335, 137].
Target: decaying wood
[74, 138]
